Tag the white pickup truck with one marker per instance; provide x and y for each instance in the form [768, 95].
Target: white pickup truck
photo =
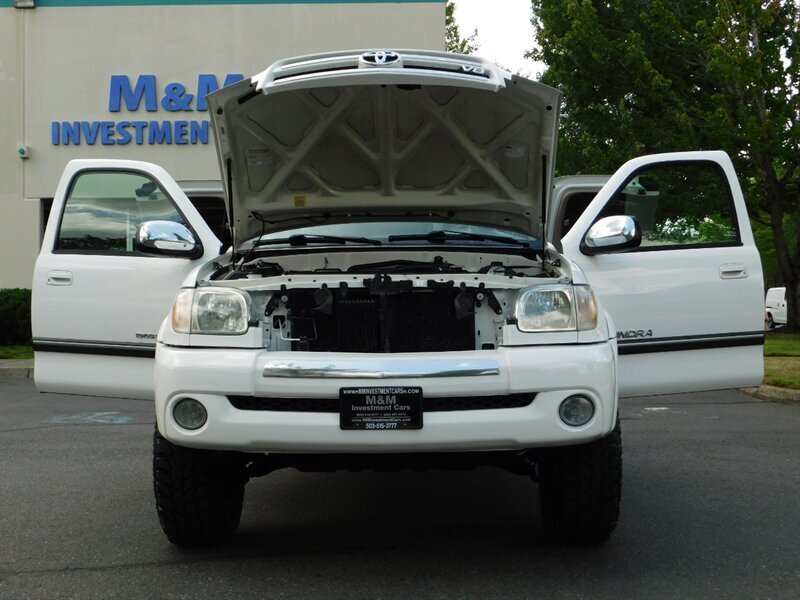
[404, 284]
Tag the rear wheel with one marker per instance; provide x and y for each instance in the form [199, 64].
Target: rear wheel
[580, 489]
[199, 493]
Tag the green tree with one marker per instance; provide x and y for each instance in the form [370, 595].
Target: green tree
[642, 76]
[453, 40]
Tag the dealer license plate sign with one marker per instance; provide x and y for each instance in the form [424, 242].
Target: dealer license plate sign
[380, 408]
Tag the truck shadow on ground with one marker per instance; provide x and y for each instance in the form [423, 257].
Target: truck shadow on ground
[393, 509]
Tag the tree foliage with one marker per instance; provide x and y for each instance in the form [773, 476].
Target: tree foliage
[453, 40]
[644, 76]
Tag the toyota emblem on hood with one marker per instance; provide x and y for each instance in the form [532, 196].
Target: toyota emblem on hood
[380, 58]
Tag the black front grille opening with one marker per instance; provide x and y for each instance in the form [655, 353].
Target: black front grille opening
[331, 405]
[358, 321]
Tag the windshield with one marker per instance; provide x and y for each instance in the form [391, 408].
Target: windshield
[386, 232]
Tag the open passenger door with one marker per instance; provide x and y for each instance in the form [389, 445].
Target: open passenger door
[686, 300]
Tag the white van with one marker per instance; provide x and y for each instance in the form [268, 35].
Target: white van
[776, 306]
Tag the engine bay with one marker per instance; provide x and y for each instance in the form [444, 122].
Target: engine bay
[376, 301]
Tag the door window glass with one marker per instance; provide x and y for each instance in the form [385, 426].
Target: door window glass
[104, 208]
[678, 205]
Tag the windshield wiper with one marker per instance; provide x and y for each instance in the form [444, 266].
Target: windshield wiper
[305, 240]
[442, 235]
[437, 265]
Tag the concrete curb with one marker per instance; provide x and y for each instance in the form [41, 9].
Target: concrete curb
[772, 393]
[16, 369]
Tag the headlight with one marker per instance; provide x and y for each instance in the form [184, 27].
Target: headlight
[546, 308]
[556, 307]
[213, 311]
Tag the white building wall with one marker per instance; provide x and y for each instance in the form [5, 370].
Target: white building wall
[56, 65]
[19, 218]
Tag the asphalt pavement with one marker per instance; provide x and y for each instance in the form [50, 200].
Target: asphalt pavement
[710, 509]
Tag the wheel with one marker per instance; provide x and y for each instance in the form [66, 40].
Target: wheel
[199, 493]
[770, 321]
[580, 489]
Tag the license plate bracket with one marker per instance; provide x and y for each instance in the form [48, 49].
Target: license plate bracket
[383, 408]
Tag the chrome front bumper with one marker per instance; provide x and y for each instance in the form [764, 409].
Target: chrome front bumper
[376, 368]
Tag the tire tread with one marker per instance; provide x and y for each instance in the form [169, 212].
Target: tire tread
[199, 493]
[580, 489]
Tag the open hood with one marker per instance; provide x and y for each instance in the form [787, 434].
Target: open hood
[379, 135]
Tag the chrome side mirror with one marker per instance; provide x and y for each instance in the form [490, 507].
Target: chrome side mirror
[612, 234]
[167, 238]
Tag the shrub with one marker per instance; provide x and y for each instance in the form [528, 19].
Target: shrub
[15, 317]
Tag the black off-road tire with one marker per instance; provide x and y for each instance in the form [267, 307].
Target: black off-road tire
[199, 493]
[580, 489]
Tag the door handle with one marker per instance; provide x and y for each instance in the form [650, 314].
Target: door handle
[59, 278]
[732, 271]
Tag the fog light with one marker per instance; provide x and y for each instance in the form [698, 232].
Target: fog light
[189, 413]
[576, 411]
